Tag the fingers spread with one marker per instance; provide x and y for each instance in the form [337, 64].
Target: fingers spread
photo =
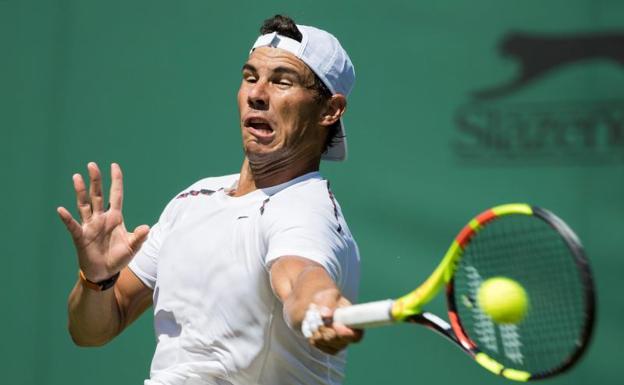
[82, 199]
[116, 190]
[95, 187]
[73, 227]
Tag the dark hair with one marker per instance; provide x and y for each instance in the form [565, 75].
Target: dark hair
[286, 26]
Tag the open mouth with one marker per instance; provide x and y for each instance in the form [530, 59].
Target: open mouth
[259, 127]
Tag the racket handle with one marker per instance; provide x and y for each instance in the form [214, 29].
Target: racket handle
[365, 315]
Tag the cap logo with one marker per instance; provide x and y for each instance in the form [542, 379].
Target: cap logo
[275, 39]
[278, 41]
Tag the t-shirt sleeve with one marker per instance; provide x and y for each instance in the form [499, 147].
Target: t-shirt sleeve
[145, 263]
[311, 234]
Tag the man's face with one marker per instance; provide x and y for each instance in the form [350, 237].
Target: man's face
[278, 109]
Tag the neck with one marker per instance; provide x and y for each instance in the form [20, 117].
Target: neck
[253, 177]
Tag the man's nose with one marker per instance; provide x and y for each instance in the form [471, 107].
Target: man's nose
[258, 97]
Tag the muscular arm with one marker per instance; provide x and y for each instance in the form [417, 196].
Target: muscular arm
[299, 282]
[96, 317]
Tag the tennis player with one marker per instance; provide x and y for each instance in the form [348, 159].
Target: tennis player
[234, 262]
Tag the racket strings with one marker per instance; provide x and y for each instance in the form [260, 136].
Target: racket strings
[529, 251]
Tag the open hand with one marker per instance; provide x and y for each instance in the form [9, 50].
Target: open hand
[103, 244]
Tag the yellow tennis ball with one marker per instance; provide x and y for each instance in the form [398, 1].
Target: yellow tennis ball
[503, 299]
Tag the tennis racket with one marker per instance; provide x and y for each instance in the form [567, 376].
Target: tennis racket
[527, 244]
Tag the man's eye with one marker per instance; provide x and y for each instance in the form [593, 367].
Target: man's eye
[284, 83]
[249, 78]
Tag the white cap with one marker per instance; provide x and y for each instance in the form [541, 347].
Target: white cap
[322, 52]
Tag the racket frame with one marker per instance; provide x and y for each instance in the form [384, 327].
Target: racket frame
[409, 308]
[578, 254]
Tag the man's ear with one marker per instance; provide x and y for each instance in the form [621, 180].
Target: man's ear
[334, 109]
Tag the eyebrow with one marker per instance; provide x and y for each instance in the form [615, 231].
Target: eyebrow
[276, 70]
[248, 67]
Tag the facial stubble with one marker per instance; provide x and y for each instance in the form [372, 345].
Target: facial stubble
[267, 165]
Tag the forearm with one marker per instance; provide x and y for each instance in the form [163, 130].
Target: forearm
[94, 316]
[306, 287]
[299, 283]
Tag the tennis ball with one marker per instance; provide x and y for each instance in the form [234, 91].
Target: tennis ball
[503, 299]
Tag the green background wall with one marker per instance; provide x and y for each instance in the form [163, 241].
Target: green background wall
[152, 85]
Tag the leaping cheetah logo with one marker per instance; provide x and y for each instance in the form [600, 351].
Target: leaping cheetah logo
[538, 55]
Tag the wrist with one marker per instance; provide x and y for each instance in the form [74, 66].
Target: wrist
[102, 285]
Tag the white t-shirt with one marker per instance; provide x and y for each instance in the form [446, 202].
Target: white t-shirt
[216, 318]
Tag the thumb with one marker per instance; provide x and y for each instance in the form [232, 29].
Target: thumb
[138, 236]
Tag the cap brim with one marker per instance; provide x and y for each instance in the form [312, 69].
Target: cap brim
[338, 151]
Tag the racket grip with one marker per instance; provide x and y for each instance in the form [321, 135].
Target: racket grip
[365, 315]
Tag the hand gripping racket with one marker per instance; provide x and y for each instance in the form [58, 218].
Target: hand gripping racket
[527, 244]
